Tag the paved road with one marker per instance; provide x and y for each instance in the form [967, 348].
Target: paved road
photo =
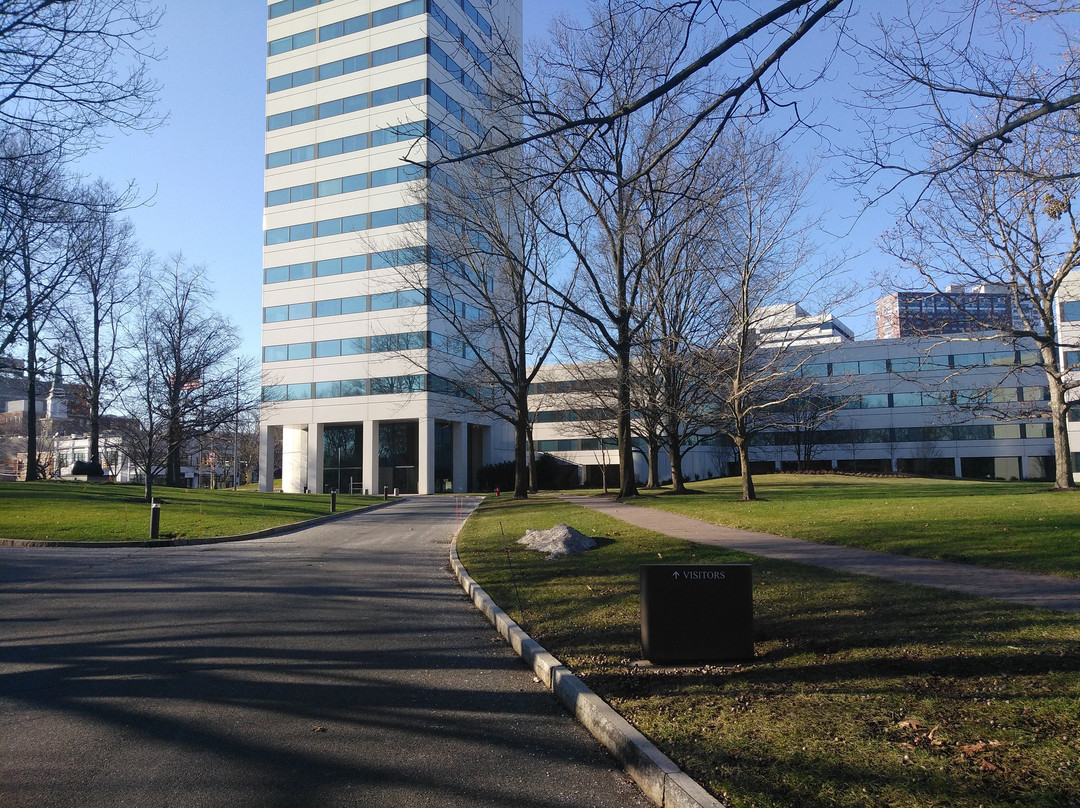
[337, 666]
[1022, 588]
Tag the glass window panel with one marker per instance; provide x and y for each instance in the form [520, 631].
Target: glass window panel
[386, 176]
[356, 24]
[354, 143]
[874, 401]
[279, 235]
[354, 263]
[355, 64]
[355, 345]
[329, 187]
[278, 159]
[1036, 394]
[298, 392]
[411, 213]
[301, 193]
[275, 314]
[332, 31]
[354, 387]
[327, 389]
[327, 308]
[301, 77]
[1037, 430]
[280, 46]
[330, 347]
[872, 366]
[303, 39]
[381, 343]
[412, 297]
[300, 350]
[384, 16]
[330, 108]
[411, 90]
[415, 48]
[276, 275]
[355, 103]
[384, 301]
[1072, 358]
[383, 218]
[331, 266]
[1005, 394]
[279, 121]
[279, 83]
[1070, 311]
[299, 232]
[331, 70]
[387, 95]
[354, 305]
[329, 227]
[907, 399]
[845, 368]
[299, 311]
[357, 182]
[305, 115]
[1000, 358]
[329, 148]
[351, 224]
[275, 353]
[1006, 431]
[274, 392]
[415, 341]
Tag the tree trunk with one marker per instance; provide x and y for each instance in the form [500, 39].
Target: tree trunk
[534, 474]
[678, 483]
[654, 463]
[31, 403]
[627, 479]
[1063, 475]
[744, 467]
[521, 446]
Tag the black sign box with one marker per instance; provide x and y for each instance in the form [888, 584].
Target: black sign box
[697, 613]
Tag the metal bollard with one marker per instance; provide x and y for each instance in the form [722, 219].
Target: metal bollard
[155, 520]
[333, 500]
[384, 494]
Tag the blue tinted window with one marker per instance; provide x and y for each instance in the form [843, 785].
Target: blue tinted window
[331, 266]
[332, 31]
[351, 224]
[330, 109]
[305, 115]
[299, 311]
[276, 275]
[356, 24]
[329, 187]
[355, 64]
[299, 232]
[384, 301]
[278, 159]
[354, 387]
[355, 103]
[330, 347]
[357, 182]
[327, 308]
[329, 148]
[301, 350]
[281, 197]
[298, 392]
[329, 227]
[386, 176]
[354, 346]
[1070, 311]
[275, 353]
[327, 389]
[274, 392]
[279, 121]
[415, 48]
[278, 235]
[329, 71]
[411, 90]
[354, 305]
[387, 95]
[279, 83]
[413, 297]
[383, 218]
[354, 143]
[412, 213]
[299, 272]
[275, 314]
[354, 263]
[384, 15]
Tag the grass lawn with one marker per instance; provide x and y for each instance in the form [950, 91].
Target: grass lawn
[1013, 525]
[60, 511]
[863, 692]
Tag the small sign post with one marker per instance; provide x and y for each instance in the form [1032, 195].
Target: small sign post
[697, 613]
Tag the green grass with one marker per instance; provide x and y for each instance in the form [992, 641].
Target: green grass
[863, 692]
[1011, 525]
[58, 511]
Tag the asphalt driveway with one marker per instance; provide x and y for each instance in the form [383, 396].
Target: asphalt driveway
[337, 666]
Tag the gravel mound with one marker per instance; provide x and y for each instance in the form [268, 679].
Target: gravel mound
[559, 541]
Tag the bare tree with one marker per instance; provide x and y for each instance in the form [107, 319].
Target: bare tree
[1010, 225]
[197, 386]
[36, 260]
[754, 367]
[88, 333]
[69, 68]
[487, 275]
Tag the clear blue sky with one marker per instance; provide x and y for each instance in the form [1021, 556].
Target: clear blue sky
[203, 170]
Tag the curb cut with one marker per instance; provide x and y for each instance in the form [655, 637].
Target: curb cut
[662, 782]
[259, 534]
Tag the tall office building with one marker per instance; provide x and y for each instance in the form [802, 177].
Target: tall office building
[351, 350]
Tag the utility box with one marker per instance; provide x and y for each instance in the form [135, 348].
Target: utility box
[697, 613]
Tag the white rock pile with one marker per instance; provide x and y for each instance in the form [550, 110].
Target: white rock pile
[559, 541]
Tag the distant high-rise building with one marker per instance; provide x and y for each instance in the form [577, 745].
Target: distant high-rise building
[955, 311]
[350, 357]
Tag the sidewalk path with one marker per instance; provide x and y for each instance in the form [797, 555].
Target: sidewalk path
[1024, 588]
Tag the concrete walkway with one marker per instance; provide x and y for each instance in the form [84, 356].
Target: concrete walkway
[1022, 588]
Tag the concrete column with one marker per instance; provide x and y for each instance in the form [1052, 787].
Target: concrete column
[425, 461]
[266, 458]
[371, 457]
[957, 472]
[1025, 467]
[294, 442]
[461, 457]
[315, 458]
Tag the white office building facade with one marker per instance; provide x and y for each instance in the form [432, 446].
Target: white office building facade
[353, 356]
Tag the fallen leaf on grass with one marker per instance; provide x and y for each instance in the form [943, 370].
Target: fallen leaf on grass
[911, 723]
[318, 729]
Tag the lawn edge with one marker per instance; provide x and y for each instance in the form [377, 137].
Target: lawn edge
[277, 530]
[658, 777]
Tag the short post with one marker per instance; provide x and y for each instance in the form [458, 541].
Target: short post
[155, 520]
[333, 500]
[384, 494]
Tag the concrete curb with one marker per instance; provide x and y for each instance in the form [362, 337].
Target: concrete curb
[259, 534]
[664, 783]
